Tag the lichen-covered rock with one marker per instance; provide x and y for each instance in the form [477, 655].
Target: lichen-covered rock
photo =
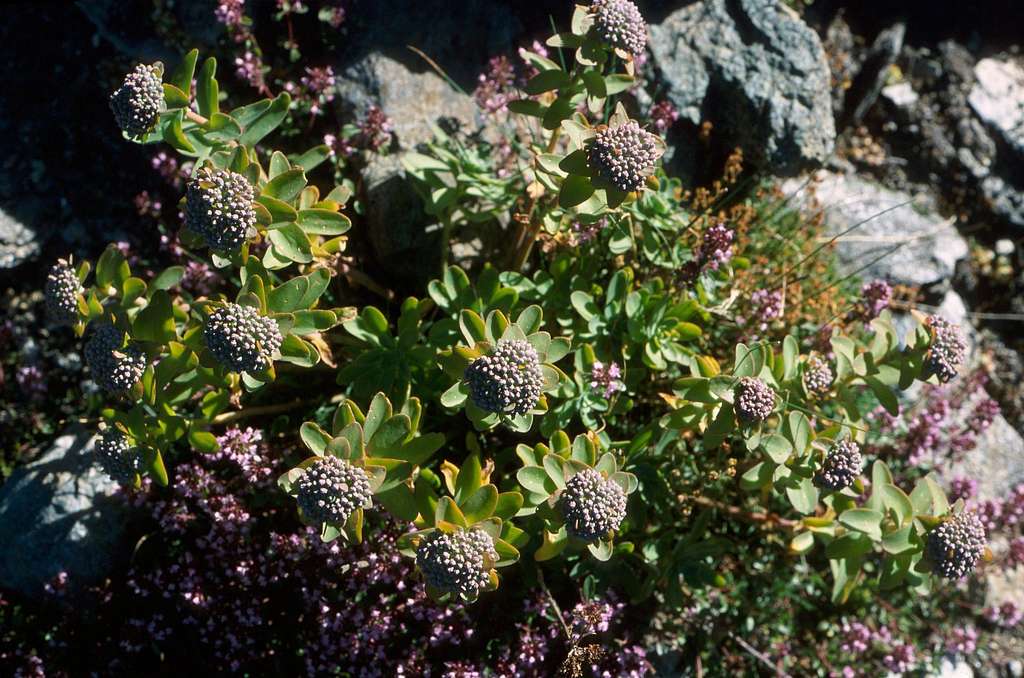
[56, 516]
[756, 71]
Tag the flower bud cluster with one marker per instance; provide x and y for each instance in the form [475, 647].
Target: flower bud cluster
[457, 563]
[841, 467]
[624, 155]
[818, 377]
[117, 457]
[218, 207]
[331, 489]
[508, 381]
[956, 545]
[592, 505]
[61, 294]
[754, 400]
[620, 24]
[948, 348]
[138, 102]
[241, 339]
[114, 366]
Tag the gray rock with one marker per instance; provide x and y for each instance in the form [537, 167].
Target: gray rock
[755, 70]
[1005, 200]
[998, 99]
[56, 516]
[908, 244]
[18, 242]
[997, 462]
[900, 95]
[873, 74]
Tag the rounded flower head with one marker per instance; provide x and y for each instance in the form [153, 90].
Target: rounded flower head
[754, 400]
[620, 24]
[331, 489]
[955, 546]
[842, 466]
[137, 103]
[592, 505]
[218, 206]
[457, 563]
[61, 293]
[117, 457]
[818, 377]
[948, 349]
[241, 339]
[508, 381]
[624, 155]
[114, 366]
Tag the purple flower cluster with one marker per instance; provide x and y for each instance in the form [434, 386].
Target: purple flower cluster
[319, 84]
[606, 379]
[32, 382]
[962, 488]
[714, 252]
[582, 233]
[249, 67]
[962, 640]
[496, 87]
[901, 658]
[375, 133]
[1007, 615]
[230, 13]
[765, 307]
[663, 115]
[874, 298]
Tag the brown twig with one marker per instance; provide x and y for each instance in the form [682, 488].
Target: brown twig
[196, 118]
[554, 605]
[767, 519]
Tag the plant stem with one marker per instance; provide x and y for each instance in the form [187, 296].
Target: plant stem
[767, 519]
[531, 228]
[196, 118]
[277, 408]
[554, 605]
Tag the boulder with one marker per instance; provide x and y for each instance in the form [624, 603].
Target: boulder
[756, 71]
[57, 515]
[18, 242]
[998, 98]
[884, 233]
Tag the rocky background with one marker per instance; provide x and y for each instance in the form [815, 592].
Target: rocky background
[904, 121]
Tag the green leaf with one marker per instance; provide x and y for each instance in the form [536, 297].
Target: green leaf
[313, 157]
[308, 322]
[174, 97]
[863, 520]
[286, 186]
[545, 81]
[900, 541]
[168, 278]
[777, 447]
[153, 462]
[155, 323]
[575, 190]
[267, 121]
[315, 438]
[480, 504]
[207, 90]
[323, 222]
[182, 78]
[885, 395]
[804, 497]
[896, 500]
[203, 441]
[535, 479]
[290, 242]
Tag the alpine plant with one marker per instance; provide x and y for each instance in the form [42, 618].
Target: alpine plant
[241, 339]
[115, 367]
[218, 207]
[592, 505]
[458, 563]
[331, 489]
[118, 458]
[754, 400]
[956, 545]
[61, 294]
[508, 381]
[624, 155]
[138, 102]
[818, 377]
[842, 465]
[948, 348]
[620, 24]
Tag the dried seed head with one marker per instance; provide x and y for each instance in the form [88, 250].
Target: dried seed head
[624, 155]
[117, 457]
[457, 563]
[331, 489]
[61, 293]
[241, 339]
[948, 349]
[508, 381]
[114, 366]
[138, 102]
[754, 400]
[620, 24]
[842, 465]
[218, 206]
[592, 505]
[955, 546]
